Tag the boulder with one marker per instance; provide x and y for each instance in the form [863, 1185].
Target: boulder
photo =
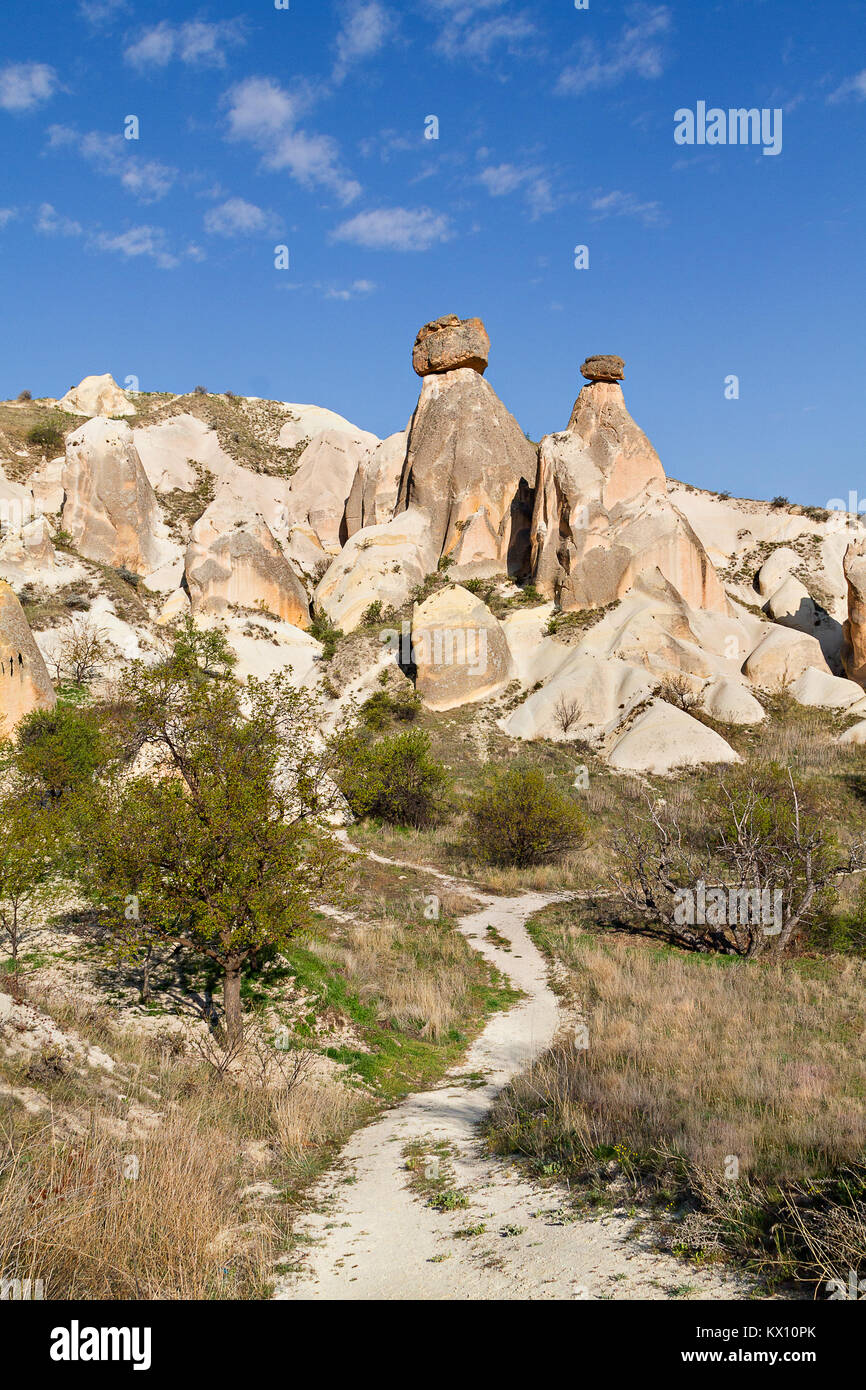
[46, 484]
[30, 551]
[449, 343]
[97, 395]
[781, 657]
[730, 702]
[241, 564]
[791, 606]
[309, 421]
[459, 650]
[854, 630]
[824, 691]
[24, 681]
[110, 509]
[856, 734]
[602, 516]
[604, 367]
[378, 564]
[664, 738]
[373, 498]
[470, 469]
[776, 569]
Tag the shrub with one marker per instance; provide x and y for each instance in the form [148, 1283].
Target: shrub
[382, 707]
[520, 819]
[395, 779]
[780, 501]
[59, 750]
[25, 396]
[199, 390]
[677, 689]
[47, 437]
[324, 631]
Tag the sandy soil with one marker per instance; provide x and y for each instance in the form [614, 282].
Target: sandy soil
[372, 1237]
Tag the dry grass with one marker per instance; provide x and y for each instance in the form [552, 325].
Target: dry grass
[692, 1062]
[418, 977]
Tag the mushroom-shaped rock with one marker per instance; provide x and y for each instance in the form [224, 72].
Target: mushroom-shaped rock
[729, 702]
[854, 631]
[824, 691]
[602, 515]
[664, 738]
[792, 606]
[24, 681]
[241, 564]
[97, 395]
[470, 469]
[459, 650]
[781, 657]
[110, 509]
[450, 342]
[603, 367]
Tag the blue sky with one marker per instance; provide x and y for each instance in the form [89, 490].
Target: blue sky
[305, 127]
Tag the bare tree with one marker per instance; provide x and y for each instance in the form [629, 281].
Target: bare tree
[81, 652]
[566, 713]
[678, 690]
[744, 885]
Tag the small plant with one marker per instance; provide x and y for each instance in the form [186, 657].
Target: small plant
[25, 396]
[780, 502]
[47, 437]
[567, 713]
[373, 614]
[448, 1201]
[324, 631]
[199, 390]
[678, 690]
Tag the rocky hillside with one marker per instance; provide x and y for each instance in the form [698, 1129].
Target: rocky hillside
[572, 587]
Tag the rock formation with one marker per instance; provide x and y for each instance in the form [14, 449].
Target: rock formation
[469, 466]
[241, 564]
[321, 485]
[376, 486]
[110, 509]
[602, 515]
[854, 632]
[449, 343]
[381, 564]
[24, 681]
[603, 368]
[97, 395]
[459, 650]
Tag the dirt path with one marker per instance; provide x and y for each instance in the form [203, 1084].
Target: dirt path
[372, 1237]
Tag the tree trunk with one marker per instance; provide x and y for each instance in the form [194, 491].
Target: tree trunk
[232, 1003]
[146, 993]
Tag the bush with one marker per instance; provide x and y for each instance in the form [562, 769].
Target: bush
[381, 707]
[49, 438]
[395, 779]
[25, 396]
[324, 631]
[199, 390]
[60, 750]
[520, 819]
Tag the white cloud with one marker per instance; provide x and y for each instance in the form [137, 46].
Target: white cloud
[99, 12]
[26, 85]
[356, 290]
[365, 30]
[265, 114]
[639, 51]
[617, 204]
[114, 157]
[471, 30]
[195, 43]
[396, 229]
[236, 217]
[51, 223]
[150, 242]
[7, 215]
[854, 87]
[502, 179]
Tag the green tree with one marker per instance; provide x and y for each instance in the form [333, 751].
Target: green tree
[519, 818]
[219, 844]
[25, 862]
[59, 751]
[396, 779]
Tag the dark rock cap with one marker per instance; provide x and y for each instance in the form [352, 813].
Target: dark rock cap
[603, 368]
[449, 343]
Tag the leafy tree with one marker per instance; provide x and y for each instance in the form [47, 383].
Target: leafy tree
[25, 862]
[519, 818]
[59, 751]
[396, 779]
[219, 844]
